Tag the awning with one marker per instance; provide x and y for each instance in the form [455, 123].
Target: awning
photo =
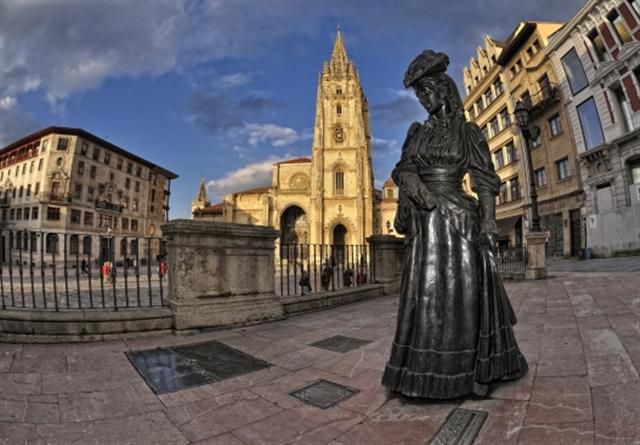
[506, 225]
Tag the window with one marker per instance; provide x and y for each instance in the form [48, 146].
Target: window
[503, 193]
[84, 148]
[134, 204]
[619, 27]
[37, 188]
[339, 109]
[53, 213]
[541, 177]
[119, 164]
[479, 106]
[31, 166]
[51, 243]
[63, 143]
[506, 118]
[575, 71]
[129, 167]
[28, 189]
[338, 91]
[123, 247]
[20, 191]
[153, 194]
[26, 212]
[125, 202]
[74, 245]
[90, 191]
[40, 163]
[535, 143]
[562, 167]
[139, 172]
[12, 214]
[34, 242]
[555, 126]
[24, 168]
[597, 44]
[512, 152]
[590, 123]
[495, 128]
[136, 188]
[125, 223]
[45, 144]
[536, 45]
[34, 212]
[107, 158]
[604, 198]
[545, 86]
[77, 193]
[127, 183]
[625, 108]
[636, 5]
[75, 216]
[134, 226]
[86, 245]
[18, 214]
[56, 190]
[488, 96]
[499, 159]
[88, 218]
[485, 132]
[59, 162]
[93, 171]
[96, 153]
[634, 170]
[515, 188]
[80, 168]
[526, 99]
[499, 87]
[134, 247]
[339, 182]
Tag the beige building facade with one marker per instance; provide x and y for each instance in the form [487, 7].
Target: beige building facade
[78, 194]
[520, 70]
[328, 198]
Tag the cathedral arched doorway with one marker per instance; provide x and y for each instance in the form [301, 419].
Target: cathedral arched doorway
[294, 231]
[339, 241]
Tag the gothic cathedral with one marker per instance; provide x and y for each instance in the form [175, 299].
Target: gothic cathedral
[328, 198]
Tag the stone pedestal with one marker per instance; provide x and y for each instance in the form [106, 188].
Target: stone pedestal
[388, 258]
[220, 273]
[537, 259]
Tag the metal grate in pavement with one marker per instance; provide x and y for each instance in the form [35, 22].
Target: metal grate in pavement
[340, 343]
[180, 367]
[461, 427]
[324, 394]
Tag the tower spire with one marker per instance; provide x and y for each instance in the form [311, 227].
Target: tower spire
[202, 190]
[339, 59]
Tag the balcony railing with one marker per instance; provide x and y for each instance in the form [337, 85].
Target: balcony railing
[55, 198]
[106, 205]
[545, 97]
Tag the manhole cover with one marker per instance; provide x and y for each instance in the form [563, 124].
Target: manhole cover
[340, 343]
[324, 394]
[172, 369]
[461, 428]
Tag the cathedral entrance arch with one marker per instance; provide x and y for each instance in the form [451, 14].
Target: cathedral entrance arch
[339, 241]
[294, 227]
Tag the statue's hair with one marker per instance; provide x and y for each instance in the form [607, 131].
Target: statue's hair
[446, 86]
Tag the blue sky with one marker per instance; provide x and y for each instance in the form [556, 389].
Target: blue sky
[225, 88]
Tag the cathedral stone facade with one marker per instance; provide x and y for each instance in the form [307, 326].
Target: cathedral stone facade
[328, 198]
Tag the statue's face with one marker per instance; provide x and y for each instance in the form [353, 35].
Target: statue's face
[428, 96]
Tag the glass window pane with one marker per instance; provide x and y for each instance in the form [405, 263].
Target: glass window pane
[590, 122]
[574, 71]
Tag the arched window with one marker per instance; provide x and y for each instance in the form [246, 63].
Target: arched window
[123, 247]
[338, 91]
[134, 247]
[34, 242]
[74, 244]
[338, 181]
[86, 245]
[339, 109]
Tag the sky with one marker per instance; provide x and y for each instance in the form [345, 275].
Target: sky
[223, 89]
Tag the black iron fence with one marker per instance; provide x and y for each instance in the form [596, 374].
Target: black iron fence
[60, 271]
[512, 259]
[308, 268]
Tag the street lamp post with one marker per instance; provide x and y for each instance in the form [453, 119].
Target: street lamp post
[529, 132]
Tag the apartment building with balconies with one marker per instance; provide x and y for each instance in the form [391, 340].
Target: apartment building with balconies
[597, 58]
[67, 191]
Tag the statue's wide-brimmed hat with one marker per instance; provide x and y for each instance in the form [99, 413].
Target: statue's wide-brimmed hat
[428, 63]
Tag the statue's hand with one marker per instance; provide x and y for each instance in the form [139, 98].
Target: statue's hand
[488, 234]
[419, 193]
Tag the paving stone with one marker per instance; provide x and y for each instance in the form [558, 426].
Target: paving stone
[578, 433]
[20, 383]
[554, 364]
[610, 369]
[303, 358]
[354, 362]
[626, 325]
[89, 381]
[616, 412]
[111, 403]
[222, 439]
[601, 341]
[46, 364]
[559, 400]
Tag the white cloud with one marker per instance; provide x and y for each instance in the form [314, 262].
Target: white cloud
[383, 144]
[7, 103]
[235, 80]
[270, 133]
[254, 175]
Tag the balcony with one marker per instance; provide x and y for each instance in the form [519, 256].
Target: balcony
[109, 206]
[547, 96]
[55, 198]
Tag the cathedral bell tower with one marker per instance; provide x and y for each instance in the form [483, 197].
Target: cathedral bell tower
[342, 191]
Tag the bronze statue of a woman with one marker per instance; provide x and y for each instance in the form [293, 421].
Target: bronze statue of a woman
[454, 334]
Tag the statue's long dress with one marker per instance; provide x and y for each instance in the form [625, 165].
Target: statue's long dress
[454, 333]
